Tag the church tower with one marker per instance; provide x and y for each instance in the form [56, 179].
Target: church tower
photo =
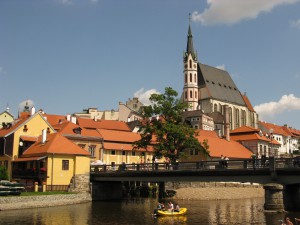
[190, 76]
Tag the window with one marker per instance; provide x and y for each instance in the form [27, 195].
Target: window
[92, 150]
[65, 164]
[191, 94]
[185, 95]
[133, 153]
[190, 63]
[185, 78]
[81, 146]
[191, 78]
[195, 94]
[113, 152]
[195, 78]
[123, 153]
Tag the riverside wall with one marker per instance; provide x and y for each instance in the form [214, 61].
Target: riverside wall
[215, 190]
[26, 202]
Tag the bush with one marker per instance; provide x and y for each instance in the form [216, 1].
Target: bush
[3, 173]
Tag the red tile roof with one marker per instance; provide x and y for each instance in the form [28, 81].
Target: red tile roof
[276, 129]
[248, 103]
[218, 146]
[103, 124]
[55, 144]
[119, 136]
[244, 129]
[15, 125]
[67, 128]
[54, 119]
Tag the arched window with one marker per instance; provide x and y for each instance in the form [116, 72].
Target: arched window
[191, 94]
[215, 107]
[230, 118]
[195, 78]
[237, 118]
[185, 78]
[190, 63]
[191, 78]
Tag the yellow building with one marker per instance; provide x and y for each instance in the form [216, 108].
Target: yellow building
[19, 135]
[53, 160]
[5, 118]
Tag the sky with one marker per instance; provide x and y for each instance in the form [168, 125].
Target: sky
[64, 56]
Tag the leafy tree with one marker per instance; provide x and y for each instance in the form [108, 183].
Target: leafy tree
[3, 173]
[164, 129]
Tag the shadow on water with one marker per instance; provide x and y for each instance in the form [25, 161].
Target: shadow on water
[139, 211]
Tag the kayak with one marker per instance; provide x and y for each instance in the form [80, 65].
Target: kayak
[182, 211]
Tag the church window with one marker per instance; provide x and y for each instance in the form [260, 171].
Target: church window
[191, 94]
[230, 118]
[185, 78]
[185, 95]
[190, 63]
[237, 115]
[191, 78]
[195, 94]
[215, 108]
[195, 78]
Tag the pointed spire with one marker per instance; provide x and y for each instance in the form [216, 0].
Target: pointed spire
[190, 46]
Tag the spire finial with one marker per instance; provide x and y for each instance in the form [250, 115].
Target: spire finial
[190, 17]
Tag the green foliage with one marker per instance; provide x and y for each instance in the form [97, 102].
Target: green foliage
[3, 173]
[164, 129]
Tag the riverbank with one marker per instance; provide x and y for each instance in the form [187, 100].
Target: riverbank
[26, 202]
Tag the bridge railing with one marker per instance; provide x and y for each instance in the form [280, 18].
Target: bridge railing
[199, 165]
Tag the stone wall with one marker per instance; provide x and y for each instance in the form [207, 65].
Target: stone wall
[80, 183]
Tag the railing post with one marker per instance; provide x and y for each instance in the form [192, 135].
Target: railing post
[245, 164]
[138, 167]
[104, 168]
[156, 166]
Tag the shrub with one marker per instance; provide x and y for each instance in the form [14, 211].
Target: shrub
[3, 173]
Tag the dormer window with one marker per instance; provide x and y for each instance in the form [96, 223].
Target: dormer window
[48, 130]
[77, 130]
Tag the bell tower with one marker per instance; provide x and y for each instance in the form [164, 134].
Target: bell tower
[190, 76]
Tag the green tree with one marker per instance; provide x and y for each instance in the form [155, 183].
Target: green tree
[3, 173]
[164, 129]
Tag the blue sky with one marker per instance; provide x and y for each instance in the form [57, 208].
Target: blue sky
[67, 55]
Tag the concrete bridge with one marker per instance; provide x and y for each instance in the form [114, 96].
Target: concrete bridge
[280, 177]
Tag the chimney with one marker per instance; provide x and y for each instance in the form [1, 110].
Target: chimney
[68, 117]
[73, 119]
[128, 119]
[44, 136]
[32, 110]
[226, 128]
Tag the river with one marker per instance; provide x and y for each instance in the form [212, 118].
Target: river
[139, 212]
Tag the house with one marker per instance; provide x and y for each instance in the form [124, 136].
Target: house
[218, 147]
[281, 135]
[5, 118]
[53, 160]
[198, 120]
[19, 135]
[118, 147]
[255, 140]
[209, 89]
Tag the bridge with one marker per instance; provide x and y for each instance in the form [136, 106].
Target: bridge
[279, 171]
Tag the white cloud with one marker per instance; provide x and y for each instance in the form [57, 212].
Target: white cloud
[296, 23]
[269, 110]
[145, 95]
[29, 102]
[221, 67]
[233, 11]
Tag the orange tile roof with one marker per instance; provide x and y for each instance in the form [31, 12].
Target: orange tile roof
[103, 124]
[254, 137]
[291, 131]
[218, 146]
[54, 119]
[248, 103]
[55, 144]
[121, 147]
[119, 136]
[28, 138]
[276, 129]
[15, 125]
[244, 129]
[67, 128]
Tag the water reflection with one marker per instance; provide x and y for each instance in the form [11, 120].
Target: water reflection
[139, 211]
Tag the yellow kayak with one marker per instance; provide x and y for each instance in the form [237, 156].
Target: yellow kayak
[167, 213]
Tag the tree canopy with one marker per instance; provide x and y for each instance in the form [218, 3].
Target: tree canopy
[164, 129]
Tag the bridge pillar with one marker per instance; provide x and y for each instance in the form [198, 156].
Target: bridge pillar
[161, 190]
[292, 197]
[274, 197]
[107, 190]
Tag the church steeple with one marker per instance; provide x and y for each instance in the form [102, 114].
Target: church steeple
[189, 45]
[190, 74]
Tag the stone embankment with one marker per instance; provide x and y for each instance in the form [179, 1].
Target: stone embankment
[215, 190]
[25, 202]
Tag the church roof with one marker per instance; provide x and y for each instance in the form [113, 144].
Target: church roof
[217, 84]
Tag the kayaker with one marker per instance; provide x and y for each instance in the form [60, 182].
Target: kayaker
[171, 207]
[177, 208]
